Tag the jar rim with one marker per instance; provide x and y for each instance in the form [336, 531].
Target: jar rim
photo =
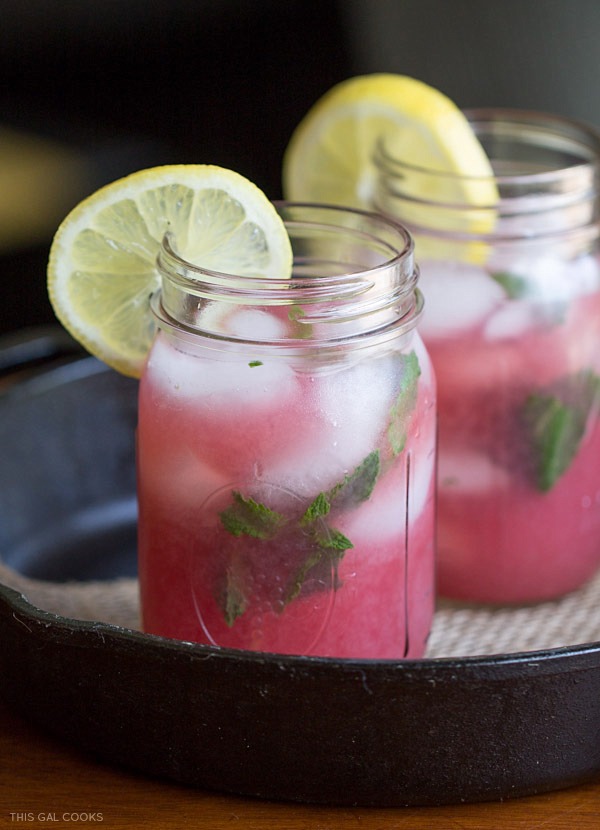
[545, 184]
[353, 270]
[582, 140]
[398, 252]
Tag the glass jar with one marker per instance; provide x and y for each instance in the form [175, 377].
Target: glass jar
[512, 323]
[286, 449]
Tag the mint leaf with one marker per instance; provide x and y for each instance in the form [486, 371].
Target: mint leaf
[254, 363]
[246, 517]
[317, 509]
[354, 489]
[331, 539]
[515, 286]
[405, 402]
[556, 422]
[555, 431]
[299, 578]
[233, 599]
[358, 486]
[325, 545]
[316, 543]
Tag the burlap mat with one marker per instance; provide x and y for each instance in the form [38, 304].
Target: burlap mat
[458, 630]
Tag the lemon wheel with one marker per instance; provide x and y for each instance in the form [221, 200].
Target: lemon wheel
[329, 158]
[102, 271]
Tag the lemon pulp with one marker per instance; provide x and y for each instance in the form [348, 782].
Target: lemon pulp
[330, 156]
[102, 271]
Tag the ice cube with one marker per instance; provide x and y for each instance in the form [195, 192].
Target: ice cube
[511, 320]
[584, 275]
[382, 517]
[237, 378]
[467, 471]
[549, 279]
[254, 324]
[345, 416]
[546, 278]
[458, 296]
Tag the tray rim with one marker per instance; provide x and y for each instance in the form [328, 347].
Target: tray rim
[512, 661]
[209, 718]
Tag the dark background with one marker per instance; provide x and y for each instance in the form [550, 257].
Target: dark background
[126, 84]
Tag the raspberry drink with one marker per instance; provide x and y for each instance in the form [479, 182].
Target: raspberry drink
[287, 476]
[519, 397]
[512, 323]
[286, 434]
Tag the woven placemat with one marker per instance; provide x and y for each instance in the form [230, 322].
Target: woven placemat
[458, 630]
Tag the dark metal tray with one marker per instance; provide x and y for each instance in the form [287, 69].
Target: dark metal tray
[384, 733]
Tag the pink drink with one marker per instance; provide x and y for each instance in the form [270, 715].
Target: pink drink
[517, 521]
[512, 323]
[286, 494]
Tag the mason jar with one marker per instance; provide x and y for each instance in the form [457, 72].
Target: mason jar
[511, 281]
[286, 448]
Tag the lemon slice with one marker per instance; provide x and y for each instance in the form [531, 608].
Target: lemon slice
[102, 270]
[330, 157]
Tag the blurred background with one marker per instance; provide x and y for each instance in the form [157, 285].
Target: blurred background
[90, 91]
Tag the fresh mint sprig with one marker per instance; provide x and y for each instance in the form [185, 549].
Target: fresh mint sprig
[319, 543]
[327, 543]
[555, 421]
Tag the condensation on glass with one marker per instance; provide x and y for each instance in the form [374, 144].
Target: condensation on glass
[286, 448]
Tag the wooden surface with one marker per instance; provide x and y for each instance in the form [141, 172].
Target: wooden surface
[45, 783]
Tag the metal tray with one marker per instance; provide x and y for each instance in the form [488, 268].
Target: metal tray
[345, 732]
